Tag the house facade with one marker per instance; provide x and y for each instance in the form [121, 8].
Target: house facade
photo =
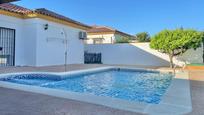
[105, 35]
[38, 37]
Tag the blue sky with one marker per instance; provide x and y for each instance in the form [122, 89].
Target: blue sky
[131, 16]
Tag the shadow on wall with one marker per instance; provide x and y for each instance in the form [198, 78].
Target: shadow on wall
[192, 56]
[125, 54]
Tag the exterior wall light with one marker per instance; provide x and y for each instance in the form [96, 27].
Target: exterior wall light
[46, 27]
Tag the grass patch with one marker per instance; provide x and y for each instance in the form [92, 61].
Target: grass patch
[196, 64]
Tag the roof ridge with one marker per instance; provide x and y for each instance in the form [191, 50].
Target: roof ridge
[98, 29]
[51, 13]
[111, 28]
[107, 27]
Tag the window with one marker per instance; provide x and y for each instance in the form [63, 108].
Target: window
[7, 47]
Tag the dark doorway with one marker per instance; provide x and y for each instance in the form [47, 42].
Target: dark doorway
[7, 47]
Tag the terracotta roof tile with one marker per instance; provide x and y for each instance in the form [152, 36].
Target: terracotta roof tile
[101, 29]
[46, 12]
[14, 8]
[98, 29]
[21, 10]
[7, 1]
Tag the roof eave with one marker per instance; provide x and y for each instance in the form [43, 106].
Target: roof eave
[7, 1]
[49, 18]
[125, 34]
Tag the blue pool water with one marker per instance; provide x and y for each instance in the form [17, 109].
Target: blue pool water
[140, 86]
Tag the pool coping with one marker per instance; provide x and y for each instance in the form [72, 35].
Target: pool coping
[177, 99]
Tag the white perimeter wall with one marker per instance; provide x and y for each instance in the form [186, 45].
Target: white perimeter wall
[125, 54]
[107, 38]
[138, 54]
[192, 56]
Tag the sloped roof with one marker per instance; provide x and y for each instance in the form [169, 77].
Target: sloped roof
[7, 1]
[104, 29]
[23, 11]
[99, 29]
[46, 12]
[14, 8]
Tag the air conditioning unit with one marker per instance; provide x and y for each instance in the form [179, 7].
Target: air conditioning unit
[82, 35]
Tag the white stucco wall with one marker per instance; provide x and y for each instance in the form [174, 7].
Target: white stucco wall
[125, 54]
[140, 54]
[191, 56]
[51, 48]
[17, 24]
[107, 38]
[29, 36]
[32, 47]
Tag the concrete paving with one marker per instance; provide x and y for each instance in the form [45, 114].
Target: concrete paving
[197, 92]
[13, 102]
[61, 68]
[57, 68]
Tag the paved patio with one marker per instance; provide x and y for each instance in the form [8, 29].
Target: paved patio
[57, 68]
[197, 91]
[13, 102]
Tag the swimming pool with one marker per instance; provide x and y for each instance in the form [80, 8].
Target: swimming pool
[126, 84]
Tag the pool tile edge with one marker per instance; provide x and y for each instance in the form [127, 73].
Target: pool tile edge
[177, 99]
[115, 103]
[104, 101]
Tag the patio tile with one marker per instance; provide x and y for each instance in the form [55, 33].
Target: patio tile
[15, 102]
[164, 109]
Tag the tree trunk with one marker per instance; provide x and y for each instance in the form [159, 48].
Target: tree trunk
[171, 61]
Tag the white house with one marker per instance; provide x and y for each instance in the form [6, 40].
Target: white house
[105, 35]
[38, 37]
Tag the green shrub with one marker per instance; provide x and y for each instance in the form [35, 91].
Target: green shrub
[143, 37]
[176, 42]
[123, 40]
